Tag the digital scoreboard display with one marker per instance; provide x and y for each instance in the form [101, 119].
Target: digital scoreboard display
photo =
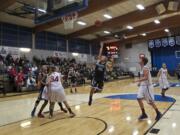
[112, 50]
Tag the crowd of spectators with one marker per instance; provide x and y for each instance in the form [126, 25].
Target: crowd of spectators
[21, 73]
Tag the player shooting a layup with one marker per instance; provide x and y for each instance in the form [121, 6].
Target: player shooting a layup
[146, 89]
[98, 78]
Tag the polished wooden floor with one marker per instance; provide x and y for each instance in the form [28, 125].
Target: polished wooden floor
[105, 116]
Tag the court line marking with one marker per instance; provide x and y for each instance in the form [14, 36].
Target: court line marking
[45, 112]
[160, 118]
[104, 122]
[97, 118]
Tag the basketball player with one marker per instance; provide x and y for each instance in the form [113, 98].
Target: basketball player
[56, 92]
[163, 79]
[72, 75]
[42, 78]
[41, 84]
[45, 96]
[98, 78]
[146, 89]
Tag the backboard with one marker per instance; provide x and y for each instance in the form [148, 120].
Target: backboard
[48, 10]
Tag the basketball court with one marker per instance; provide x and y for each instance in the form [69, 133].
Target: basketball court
[73, 29]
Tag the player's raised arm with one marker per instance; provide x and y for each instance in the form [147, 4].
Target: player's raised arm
[101, 49]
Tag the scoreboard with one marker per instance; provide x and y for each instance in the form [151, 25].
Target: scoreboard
[112, 50]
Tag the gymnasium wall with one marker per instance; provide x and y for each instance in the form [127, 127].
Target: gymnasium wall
[166, 55]
[44, 44]
[15, 36]
[129, 57]
[166, 51]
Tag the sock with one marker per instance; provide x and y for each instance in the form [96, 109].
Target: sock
[69, 109]
[157, 111]
[143, 111]
[43, 106]
[60, 105]
[51, 112]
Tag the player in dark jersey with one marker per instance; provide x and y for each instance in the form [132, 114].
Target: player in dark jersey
[72, 75]
[41, 84]
[98, 77]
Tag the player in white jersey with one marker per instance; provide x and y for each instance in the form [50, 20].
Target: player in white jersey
[163, 79]
[56, 91]
[146, 89]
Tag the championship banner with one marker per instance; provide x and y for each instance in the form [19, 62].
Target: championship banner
[164, 42]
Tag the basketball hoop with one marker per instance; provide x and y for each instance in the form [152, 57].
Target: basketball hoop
[69, 19]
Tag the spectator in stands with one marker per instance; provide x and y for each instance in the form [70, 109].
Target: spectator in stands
[34, 70]
[19, 80]
[2, 67]
[31, 83]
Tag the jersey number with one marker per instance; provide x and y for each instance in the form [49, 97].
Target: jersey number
[54, 79]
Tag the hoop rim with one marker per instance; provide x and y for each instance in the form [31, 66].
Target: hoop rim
[69, 19]
[70, 16]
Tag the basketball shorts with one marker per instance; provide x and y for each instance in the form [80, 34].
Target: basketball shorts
[73, 81]
[57, 94]
[146, 92]
[97, 84]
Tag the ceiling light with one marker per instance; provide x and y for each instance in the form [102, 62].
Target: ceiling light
[107, 32]
[107, 16]
[125, 37]
[81, 23]
[140, 7]
[129, 27]
[116, 36]
[156, 21]
[42, 10]
[144, 34]
[166, 30]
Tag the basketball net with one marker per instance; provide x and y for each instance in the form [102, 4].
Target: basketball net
[69, 19]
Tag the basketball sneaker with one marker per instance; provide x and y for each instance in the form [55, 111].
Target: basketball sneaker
[72, 114]
[163, 94]
[90, 101]
[64, 110]
[33, 113]
[143, 116]
[50, 116]
[158, 116]
[40, 115]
